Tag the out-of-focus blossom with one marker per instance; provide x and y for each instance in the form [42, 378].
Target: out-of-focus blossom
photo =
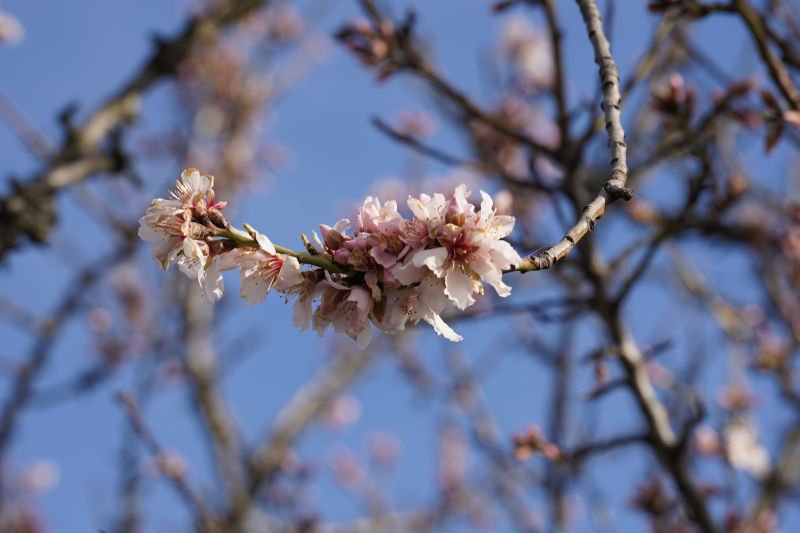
[791, 243]
[11, 30]
[341, 412]
[371, 44]
[347, 469]
[766, 521]
[529, 49]
[674, 96]
[169, 464]
[772, 354]
[706, 441]
[652, 498]
[660, 375]
[503, 202]
[40, 477]
[99, 319]
[384, 449]
[130, 290]
[743, 449]
[416, 124]
[282, 22]
[792, 117]
[453, 456]
[401, 188]
[736, 397]
[22, 517]
[531, 118]
[530, 442]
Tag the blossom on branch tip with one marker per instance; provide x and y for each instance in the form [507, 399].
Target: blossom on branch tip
[179, 226]
[384, 270]
[470, 246]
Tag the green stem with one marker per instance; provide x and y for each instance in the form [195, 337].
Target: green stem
[320, 261]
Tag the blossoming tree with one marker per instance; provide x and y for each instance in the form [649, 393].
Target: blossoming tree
[604, 255]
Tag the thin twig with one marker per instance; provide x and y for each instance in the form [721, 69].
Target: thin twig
[418, 146]
[137, 423]
[614, 188]
[22, 388]
[777, 70]
[267, 458]
[34, 140]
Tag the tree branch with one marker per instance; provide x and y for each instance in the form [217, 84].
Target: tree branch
[615, 187]
[93, 147]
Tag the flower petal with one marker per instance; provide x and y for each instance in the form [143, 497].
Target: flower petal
[434, 259]
[301, 312]
[491, 274]
[500, 227]
[193, 260]
[503, 255]
[364, 337]
[289, 274]
[265, 244]
[442, 328]
[417, 206]
[253, 287]
[487, 206]
[213, 284]
[407, 274]
[164, 251]
[458, 287]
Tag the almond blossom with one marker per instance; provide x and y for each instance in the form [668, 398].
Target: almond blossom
[178, 227]
[470, 246]
[391, 271]
[348, 310]
[409, 305]
[743, 449]
[529, 49]
[262, 269]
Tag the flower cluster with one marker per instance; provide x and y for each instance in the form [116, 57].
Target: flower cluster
[390, 271]
[181, 225]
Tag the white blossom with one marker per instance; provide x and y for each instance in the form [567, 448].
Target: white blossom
[172, 225]
[392, 272]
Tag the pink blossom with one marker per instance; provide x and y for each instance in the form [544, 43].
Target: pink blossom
[470, 248]
[414, 269]
[304, 294]
[175, 226]
[409, 305]
[11, 29]
[391, 271]
[348, 310]
[743, 449]
[529, 48]
[263, 269]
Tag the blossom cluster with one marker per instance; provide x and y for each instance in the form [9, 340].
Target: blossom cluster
[385, 269]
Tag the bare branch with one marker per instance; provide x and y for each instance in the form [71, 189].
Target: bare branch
[91, 148]
[614, 188]
[266, 459]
